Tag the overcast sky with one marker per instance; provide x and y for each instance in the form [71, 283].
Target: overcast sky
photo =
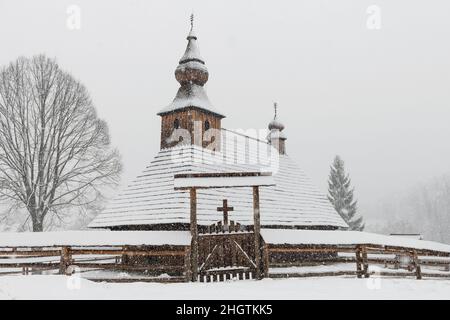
[380, 98]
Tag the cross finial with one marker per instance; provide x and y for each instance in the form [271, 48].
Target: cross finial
[275, 108]
[192, 21]
[225, 209]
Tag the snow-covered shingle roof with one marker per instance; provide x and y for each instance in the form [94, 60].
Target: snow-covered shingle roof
[190, 96]
[151, 199]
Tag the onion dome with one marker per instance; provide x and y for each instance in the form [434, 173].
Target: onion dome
[275, 123]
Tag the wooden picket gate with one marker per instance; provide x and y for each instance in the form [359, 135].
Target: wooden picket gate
[226, 253]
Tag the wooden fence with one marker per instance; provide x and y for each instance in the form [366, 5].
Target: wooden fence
[170, 263]
[147, 263]
[387, 260]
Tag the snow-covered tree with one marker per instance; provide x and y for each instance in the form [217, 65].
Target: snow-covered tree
[340, 194]
[55, 153]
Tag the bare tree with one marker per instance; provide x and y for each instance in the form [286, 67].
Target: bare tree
[55, 152]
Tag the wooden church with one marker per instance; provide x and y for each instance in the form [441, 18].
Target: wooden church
[226, 189]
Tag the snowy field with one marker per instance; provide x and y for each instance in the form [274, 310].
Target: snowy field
[62, 287]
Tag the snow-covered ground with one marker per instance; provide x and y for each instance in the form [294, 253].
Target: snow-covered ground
[62, 287]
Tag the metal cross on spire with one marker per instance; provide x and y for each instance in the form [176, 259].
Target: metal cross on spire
[192, 21]
[275, 108]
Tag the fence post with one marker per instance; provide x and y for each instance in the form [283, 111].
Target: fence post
[187, 264]
[365, 263]
[266, 260]
[417, 265]
[397, 261]
[125, 259]
[358, 261]
[65, 260]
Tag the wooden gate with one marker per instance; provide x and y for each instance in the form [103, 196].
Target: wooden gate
[192, 182]
[226, 255]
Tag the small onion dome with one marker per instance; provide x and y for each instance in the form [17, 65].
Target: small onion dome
[275, 124]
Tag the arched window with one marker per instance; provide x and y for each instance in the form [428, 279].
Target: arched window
[207, 125]
[176, 124]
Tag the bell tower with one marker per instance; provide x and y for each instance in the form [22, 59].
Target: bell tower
[191, 118]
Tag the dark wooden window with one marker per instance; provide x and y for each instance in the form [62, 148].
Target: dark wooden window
[207, 125]
[176, 124]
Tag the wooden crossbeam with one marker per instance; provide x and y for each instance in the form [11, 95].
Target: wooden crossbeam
[222, 180]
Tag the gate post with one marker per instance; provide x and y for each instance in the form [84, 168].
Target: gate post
[194, 233]
[257, 231]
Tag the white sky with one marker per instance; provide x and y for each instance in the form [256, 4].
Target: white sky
[379, 98]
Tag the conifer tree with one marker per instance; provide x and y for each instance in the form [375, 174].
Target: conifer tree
[340, 194]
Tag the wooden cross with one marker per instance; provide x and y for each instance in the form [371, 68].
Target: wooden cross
[225, 208]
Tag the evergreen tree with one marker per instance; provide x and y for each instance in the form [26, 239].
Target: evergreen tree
[340, 195]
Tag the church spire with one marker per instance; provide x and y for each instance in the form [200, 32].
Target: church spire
[192, 54]
[276, 137]
[191, 66]
[191, 103]
[192, 75]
